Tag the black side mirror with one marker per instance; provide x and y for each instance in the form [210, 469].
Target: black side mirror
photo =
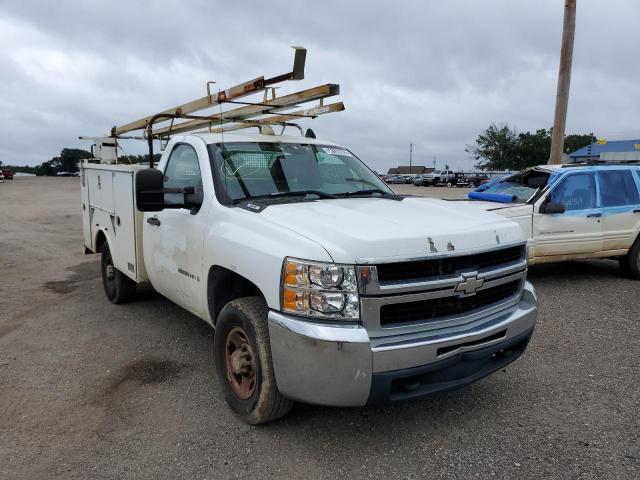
[193, 199]
[149, 193]
[552, 207]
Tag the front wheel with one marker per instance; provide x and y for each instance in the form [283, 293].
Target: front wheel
[243, 362]
[449, 184]
[630, 263]
[117, 286]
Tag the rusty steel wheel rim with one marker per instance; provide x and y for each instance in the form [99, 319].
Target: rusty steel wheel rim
[110, 270]
[240, 363]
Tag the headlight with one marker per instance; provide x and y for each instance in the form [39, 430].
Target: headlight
[320, 290]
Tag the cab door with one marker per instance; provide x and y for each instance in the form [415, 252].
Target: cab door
[173, 238]
[621, 207]
[576, 231]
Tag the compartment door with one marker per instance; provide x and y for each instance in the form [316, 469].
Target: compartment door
[123, 225]
[86, 210]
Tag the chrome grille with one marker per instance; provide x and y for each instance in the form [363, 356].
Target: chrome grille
[466, 288]
[445, 306]
[422, 269]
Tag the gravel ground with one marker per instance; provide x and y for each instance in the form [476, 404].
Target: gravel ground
[93, 390]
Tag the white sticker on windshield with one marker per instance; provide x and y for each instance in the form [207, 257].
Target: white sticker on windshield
[337, 151]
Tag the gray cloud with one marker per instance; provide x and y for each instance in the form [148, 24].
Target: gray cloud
[431, 73]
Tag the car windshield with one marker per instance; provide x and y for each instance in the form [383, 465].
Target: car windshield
[265, 170]
[521, 187]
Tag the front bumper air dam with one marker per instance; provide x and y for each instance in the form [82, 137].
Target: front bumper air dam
[339, 365]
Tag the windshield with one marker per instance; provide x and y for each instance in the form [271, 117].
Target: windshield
[521, 187]
[250, 170]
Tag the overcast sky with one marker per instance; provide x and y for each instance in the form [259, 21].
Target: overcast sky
[431, 73]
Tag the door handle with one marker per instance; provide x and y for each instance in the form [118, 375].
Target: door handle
[153, 221]
[594, 215]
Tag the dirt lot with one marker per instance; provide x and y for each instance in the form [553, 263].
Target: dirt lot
[93, 390]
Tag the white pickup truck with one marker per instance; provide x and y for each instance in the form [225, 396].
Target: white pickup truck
[572, 212]
[320, 283]
[443, 177]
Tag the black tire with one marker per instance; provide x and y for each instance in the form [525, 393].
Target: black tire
[449, 184]
[472, 185]
[630, 263]
[117, 286]
[263, 403]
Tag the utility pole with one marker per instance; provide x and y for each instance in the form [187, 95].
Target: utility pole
[410, 158]
[564, 80]
[434, 163]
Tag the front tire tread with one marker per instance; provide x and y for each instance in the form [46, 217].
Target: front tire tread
[630, 263]
[270, 404]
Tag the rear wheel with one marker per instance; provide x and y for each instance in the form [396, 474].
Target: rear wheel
[449, 184]
[630, 263]
[117, 286]
[243, 362]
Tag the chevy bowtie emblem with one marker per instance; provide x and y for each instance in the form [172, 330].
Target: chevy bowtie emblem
[470, 284]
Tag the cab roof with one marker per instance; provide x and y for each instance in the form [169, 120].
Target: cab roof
[212, 138]
[597, 166]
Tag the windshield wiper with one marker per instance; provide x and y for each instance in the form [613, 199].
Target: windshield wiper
[295, 193]
[372, 191]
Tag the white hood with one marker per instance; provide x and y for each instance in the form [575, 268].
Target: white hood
[358, 230]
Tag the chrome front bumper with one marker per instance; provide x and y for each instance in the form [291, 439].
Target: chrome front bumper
[340, 365]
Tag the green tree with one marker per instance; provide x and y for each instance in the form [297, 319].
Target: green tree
[46, 168]
[70, 158]
[138, 158]
[67, 161]
[533, 148]
[576, 142]
[495, 148]
[21, 168]
[501, 148]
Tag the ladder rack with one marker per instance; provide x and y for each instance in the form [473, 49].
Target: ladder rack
[251, 110]
[283, 119]
[247, 114]
[270, 111]
[238, 91]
